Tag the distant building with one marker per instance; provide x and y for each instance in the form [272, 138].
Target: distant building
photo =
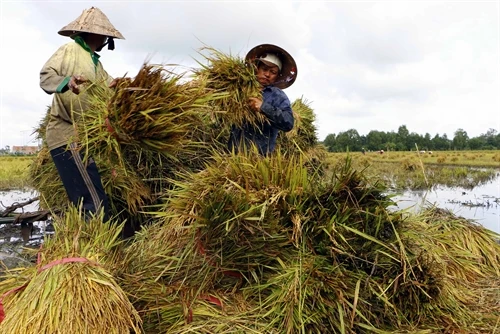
[25, 149]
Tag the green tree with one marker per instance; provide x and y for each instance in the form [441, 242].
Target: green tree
[402, 138]
[460, 140]
[441, 143]
[492, 138]
[415, 139]
[329, 142]
[374, 140]
[348, 141]
[427, 142]
[476, 143]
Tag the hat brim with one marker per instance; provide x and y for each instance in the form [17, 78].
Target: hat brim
[288, 73]
[74, 33]
[92, 21]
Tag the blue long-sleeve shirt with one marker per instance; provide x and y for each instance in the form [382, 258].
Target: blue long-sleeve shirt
[276, 107]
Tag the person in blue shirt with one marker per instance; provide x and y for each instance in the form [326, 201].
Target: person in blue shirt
[275, 70]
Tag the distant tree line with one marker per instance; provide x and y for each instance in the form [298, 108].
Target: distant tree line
[403, 140]
[5, 150]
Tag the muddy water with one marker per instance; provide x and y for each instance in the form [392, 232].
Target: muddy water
[14, 238]
[482, 204]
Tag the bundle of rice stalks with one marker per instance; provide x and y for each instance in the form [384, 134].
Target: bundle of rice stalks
[303, 135]
[472, 251]
[43, 175]
[166, 278]
[461, 258]
[212, 233]
[346, 212]
[304, 254]
[72, 289]
[128, 193]
[154, 111]
[126, 190]
[241, 208]
[239, 223]
[217, 312]
[310, 295]
[176, 289]
[45, 179]
[235, 82]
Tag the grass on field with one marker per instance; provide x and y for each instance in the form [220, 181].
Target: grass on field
[413, 170]
[14, 172]
[442, 158]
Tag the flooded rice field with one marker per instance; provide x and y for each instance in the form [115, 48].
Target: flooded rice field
[15, 237]
[481, 204]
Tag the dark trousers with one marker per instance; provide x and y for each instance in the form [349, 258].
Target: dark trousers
[81, 180]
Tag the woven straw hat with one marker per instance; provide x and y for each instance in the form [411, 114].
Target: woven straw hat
[92, 21]
[288, 72]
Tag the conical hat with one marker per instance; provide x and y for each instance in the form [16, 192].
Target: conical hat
[288, 73]
[92, 21]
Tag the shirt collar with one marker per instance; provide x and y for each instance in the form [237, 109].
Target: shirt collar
[79, 40]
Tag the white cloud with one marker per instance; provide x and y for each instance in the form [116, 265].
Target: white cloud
[433, 67]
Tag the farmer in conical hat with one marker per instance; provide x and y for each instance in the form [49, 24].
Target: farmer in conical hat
[67, 75]
[275, 70]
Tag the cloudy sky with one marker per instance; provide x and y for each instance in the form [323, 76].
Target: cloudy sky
[432, 66]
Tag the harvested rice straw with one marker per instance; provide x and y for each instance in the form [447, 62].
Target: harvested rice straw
[72, 289]
[216, 312]
[235, 81]
[46, 180]
[317, 257]
[154, 111]
[303, 135]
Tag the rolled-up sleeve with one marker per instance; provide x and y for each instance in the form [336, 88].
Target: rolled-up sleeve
[52, 80]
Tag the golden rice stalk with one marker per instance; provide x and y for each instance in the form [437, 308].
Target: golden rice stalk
[160, 259]
[127, 191]
[469, 250]
[79, 296]
[235, 82]
[165, 277]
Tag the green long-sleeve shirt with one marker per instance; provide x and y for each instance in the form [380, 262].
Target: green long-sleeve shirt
[74, 58]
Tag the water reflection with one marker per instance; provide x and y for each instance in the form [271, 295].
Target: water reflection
[27, 234]
[480, 204]
[7, 198]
